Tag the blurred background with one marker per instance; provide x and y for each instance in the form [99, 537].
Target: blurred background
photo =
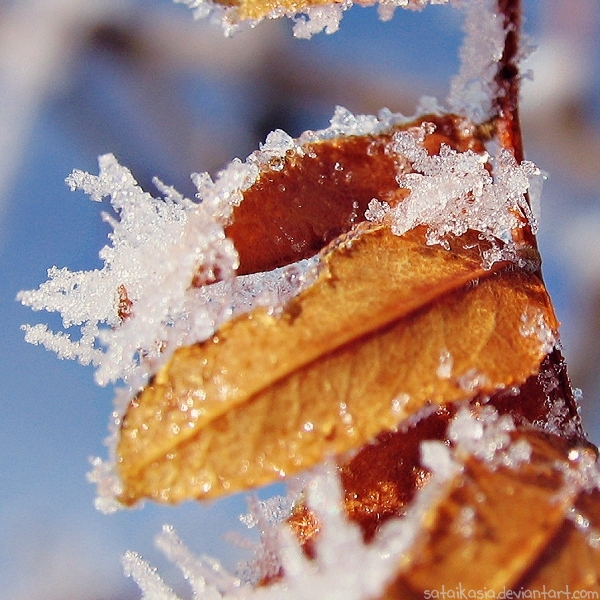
[170, 96]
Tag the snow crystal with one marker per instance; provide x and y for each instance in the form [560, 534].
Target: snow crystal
[320, 18]
[533, 324]
[453, 191]
[472, 90]
[148, 299]
[444, 370]
[484, 434]
[157, 248]
[334, 574]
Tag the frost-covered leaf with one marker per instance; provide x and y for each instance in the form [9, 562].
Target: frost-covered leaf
[311, 16]
[404, 311]
[312, 189]
[390, 325]
[519, 510]
[494, 521]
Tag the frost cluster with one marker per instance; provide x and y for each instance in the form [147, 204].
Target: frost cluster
[169, 270]
[533, 324]
[452, 192]
[142, 303]
[473, 88]
[334, 574]
[485, 435]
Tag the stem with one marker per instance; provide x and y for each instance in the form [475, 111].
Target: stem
[508, 81]
[508, 124]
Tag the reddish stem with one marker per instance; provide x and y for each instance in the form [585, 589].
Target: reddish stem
[508, 81]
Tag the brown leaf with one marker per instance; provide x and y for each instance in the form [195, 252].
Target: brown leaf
[381, 479]
[354, 354]
[493, 524]
[294, 210]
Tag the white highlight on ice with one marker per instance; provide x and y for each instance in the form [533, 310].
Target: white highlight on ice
[454, 191]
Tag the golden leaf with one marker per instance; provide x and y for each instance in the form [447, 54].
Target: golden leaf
[255, 10]
[352, 355]
[498, 520]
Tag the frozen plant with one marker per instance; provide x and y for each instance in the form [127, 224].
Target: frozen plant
[361, 308]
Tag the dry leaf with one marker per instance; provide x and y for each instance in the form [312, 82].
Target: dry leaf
[493, 528]
[364, 347]
[306, 199]
[256, 10]
[494, 523]
[380, 480]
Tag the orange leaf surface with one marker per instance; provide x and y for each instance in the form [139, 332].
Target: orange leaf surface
[361, 349]
[295, 209]
[494, 525]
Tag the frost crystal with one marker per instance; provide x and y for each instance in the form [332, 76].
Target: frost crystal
[334, 574]
[320, 18]
[472, 90]
[149, 298]
[454, 191]
[533, 324]
[142, 303]
[486, 435]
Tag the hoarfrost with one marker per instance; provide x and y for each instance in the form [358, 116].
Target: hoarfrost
[486, 435]
[320, 18]
[345, 123]
[533, 324]
[157, 248]
[473, 88]
[334, 574]
[149, 297]
[454, 191]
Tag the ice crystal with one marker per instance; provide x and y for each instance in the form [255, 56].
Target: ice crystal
[484, 434]
[533, 324]
[158, 246]
[454, 191]
[320, 18]
[473, 88]
[334, 574]
[148, 299]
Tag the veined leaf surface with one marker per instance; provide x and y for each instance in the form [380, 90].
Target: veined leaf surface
[368, 344]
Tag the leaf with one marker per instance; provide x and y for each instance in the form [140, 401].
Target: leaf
[305, 199]
[256, 10]
[493, 524]
[381, 479]
[354, 354]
